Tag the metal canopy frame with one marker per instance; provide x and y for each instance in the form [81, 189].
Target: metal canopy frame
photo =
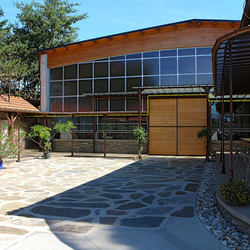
[231, 72]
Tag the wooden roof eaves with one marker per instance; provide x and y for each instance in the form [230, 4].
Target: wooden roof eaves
[155, 29]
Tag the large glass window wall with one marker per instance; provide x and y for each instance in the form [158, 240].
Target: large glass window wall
[68, 84]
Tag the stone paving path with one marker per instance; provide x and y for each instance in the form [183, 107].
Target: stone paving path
[75, 195]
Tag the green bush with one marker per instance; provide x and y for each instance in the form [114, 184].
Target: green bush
[235, 191]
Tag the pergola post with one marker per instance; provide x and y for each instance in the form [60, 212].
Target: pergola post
[223, 170]
[139, 99]
[72, 138]
[231, 109]
[11, 121]
[104, 116]
[94, 124]
[19, 138]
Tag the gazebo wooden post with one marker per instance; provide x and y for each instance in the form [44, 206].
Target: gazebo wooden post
[19, 138]
[72, 139]
[231, 109]
[11, 121]
[104, 116]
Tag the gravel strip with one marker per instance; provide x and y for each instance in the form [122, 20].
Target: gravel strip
[210, 216]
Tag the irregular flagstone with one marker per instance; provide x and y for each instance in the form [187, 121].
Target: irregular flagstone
[180, 193]
[60, 212]
[118, 191]
[84, 204]
[136, 196]
[121, 201]
[12, 230]
[12, 208]
[184, 199]
[165, 194]
[107, 220]
[75, 228]
[191, 187]
[112, 196]
[148, 199]
[115, 212]
[155, 210]
[144, 222]
[131, 205]
[178, 187]
[187, 212]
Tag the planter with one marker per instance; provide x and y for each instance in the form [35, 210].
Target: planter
[46, 155]
[1, 164]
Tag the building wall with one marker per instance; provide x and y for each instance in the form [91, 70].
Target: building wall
[170, 37]
[86, 146]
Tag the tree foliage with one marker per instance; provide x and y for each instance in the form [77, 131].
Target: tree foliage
[43, 26]
[11, 65]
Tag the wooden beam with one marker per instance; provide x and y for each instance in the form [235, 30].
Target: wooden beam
[19, 138]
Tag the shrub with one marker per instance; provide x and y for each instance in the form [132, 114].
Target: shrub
[235, 191]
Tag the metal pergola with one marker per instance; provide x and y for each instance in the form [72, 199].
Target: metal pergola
[231, 76]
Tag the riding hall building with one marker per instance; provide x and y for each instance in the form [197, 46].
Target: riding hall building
[160, 77]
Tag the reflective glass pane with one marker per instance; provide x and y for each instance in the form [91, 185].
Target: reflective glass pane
[85, 104]
[70, 104]
[117, 68]
[150, 67]
[131, 56]
[56, 74]
[133, 67]
[168, 80]
[205, 79]
[56, 89]
[169, 65]
[117, 105]
[85, 86]
[151, 81]
[56, 104]
[102, 105]
[204, 64]
[103, 59]
[186, 65]
[186, 52]
[133, 82]
[101, 69]
[151, 54]
[70, 88]
[117, 85]
[85, 70]
[70, 72]
[172, 52]
[186, 80]
[132, 105]
[101, 86]
[204, 51]
[117, 57]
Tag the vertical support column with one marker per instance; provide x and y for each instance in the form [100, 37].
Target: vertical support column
[94, 124]
[231, 109]
[11, 121]
[19, 138]
[72, 140]
[223, 170]
[44, 120]
[104, 116]
[139, 97]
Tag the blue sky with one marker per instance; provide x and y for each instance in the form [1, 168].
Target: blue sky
[107, 17]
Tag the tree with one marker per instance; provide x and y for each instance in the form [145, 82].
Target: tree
[43, 26]
[11, 65]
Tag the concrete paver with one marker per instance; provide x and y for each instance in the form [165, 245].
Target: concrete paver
[97, 203]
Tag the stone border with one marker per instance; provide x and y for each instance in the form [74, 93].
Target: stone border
[241, 222]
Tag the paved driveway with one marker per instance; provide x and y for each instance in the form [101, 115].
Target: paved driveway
[69, 200]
